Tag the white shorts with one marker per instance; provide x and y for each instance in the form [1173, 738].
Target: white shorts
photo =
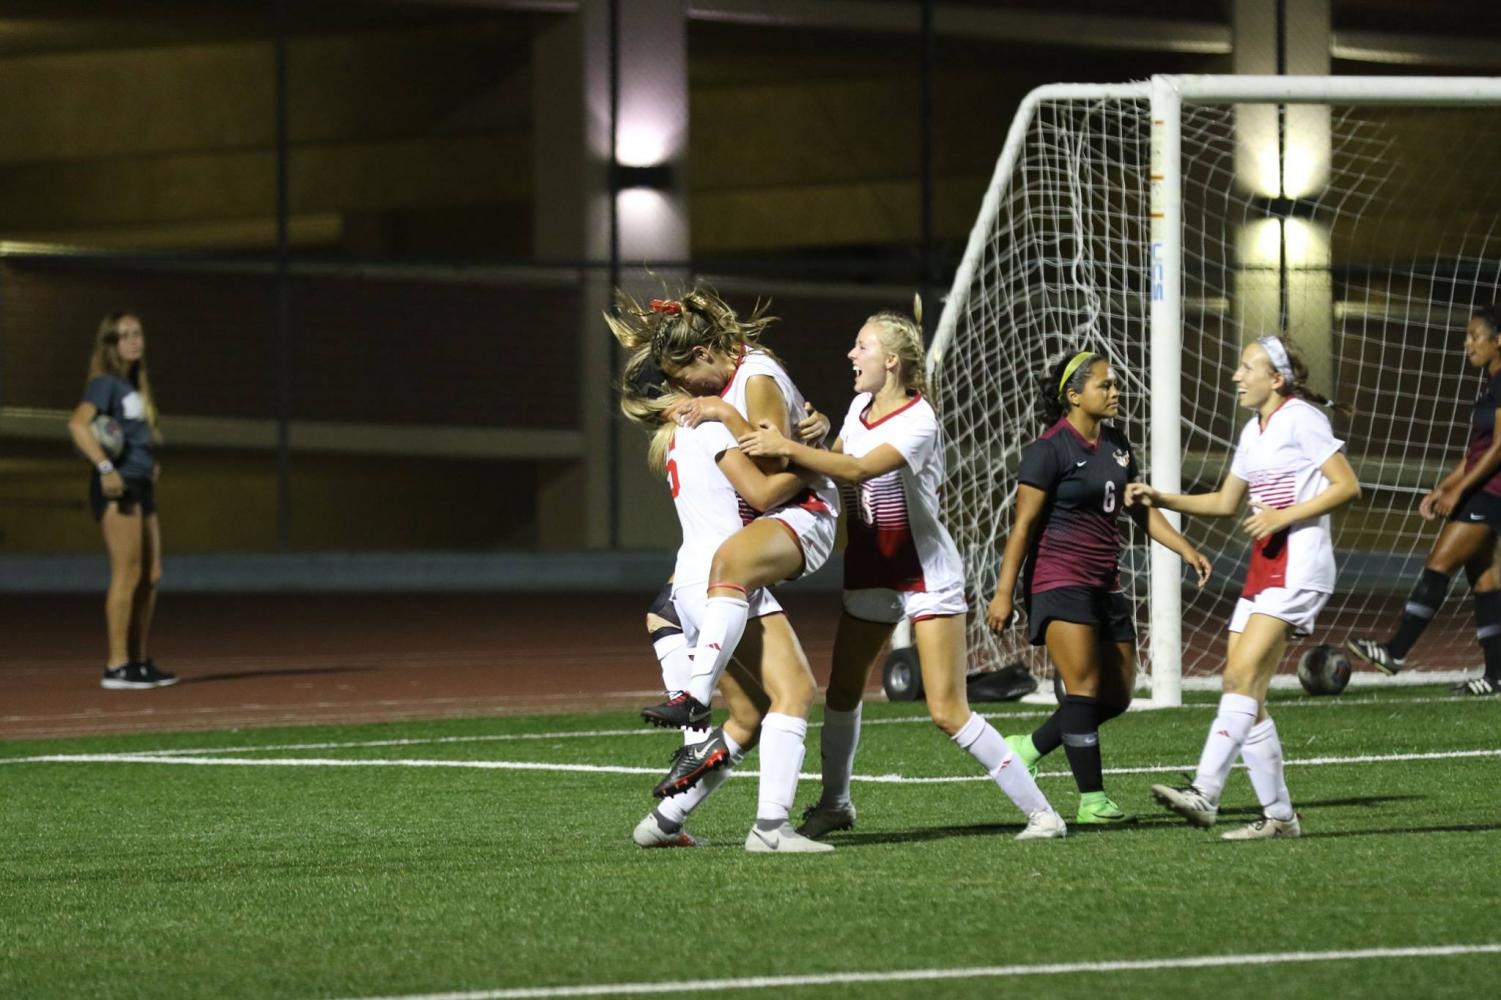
[691, 598]
[1298, 608]
[887, 607]
[814, 534]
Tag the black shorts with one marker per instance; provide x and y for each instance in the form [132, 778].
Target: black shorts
[1479, 508]
[140, 494]
[1108, 611]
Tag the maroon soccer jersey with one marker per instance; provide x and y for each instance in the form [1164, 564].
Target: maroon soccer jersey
[1483, 430]
[1080, 538]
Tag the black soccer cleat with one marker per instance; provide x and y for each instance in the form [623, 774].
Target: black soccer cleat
[681, 711]
[691, 762]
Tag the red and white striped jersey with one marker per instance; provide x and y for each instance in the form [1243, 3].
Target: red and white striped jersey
[895, 538]
[1280, 464]
[820, 498]
[708, 508]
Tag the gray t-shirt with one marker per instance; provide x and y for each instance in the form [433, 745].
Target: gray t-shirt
[115, 397]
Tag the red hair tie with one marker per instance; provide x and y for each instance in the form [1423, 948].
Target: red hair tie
[666, 307]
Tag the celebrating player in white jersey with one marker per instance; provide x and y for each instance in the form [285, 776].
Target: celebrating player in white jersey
[715, 519]
[1296, 473]
[899, 561]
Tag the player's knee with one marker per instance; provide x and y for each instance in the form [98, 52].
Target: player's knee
[842, 697]
[662, 617]
[126, 573]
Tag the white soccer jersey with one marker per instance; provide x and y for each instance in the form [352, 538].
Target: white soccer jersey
[896, 540]
[708, 508]
[1280, 463]
[819, 498]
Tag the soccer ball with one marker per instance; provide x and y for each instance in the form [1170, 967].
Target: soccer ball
[107, 432]
[1324, 670]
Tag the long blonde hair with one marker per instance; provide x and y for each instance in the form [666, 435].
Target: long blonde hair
[901, 335]
[645, 400]
[666, 331]
[106, 360]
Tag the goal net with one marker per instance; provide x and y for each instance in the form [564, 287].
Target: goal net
[1359, 216]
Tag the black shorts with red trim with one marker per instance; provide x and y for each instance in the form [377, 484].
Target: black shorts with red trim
[1107, 610]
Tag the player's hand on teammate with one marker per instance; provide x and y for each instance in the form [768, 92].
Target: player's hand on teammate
[814, 428]
[764, 442]
[1264, 521]
[692, 412]
[1140, 493]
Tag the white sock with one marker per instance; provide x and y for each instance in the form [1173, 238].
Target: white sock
[677, 808]
[1005, 768]
[1237, 714]
[1262, 753]
[837, 742]
[719, 633]
[676, 660]
[781, 761]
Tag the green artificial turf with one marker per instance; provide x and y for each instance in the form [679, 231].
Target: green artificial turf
[144, 879]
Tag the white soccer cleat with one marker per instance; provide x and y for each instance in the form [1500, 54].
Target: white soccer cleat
[1265, 828]
[1045, 824]
[1188, 802]
[820, 819]
[649, 833]
[783, 840]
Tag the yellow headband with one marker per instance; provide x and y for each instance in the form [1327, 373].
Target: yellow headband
[1069, 369]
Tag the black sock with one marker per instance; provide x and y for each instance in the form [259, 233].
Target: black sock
[1107, 711]
[1049, 736]
[1488, 630]
[1422, 604]
[1080, 721]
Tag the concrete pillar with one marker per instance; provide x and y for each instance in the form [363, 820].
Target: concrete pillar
[1285, 256]
[609, 497]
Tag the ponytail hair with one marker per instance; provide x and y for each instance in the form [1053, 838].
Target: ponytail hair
[1299, 386]
[901, 335]
[1054, 383]
[645, 400]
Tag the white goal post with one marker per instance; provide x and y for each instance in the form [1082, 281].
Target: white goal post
[1120, 215]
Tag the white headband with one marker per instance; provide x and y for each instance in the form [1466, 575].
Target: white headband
[1278, 355]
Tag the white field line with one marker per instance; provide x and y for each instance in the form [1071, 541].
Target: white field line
[529, 765]
[647, 731]
[705, 986]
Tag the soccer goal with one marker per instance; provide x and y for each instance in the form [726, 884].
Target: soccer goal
[1166, 223]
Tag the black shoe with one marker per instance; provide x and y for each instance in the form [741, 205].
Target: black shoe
[691, 762]
[158, 678]
[1479, 687]
[681, 711]
[128, 677]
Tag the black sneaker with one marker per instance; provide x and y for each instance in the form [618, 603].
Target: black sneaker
[158, 678]
[129, 677]
[681, 711]
[691, 762]
[1479, 687]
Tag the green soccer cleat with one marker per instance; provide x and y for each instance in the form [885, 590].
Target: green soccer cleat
[1021, 745]
[1096, 809]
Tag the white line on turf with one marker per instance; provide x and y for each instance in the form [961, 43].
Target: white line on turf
[529, 765]
[644, 731]
[974, 972]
